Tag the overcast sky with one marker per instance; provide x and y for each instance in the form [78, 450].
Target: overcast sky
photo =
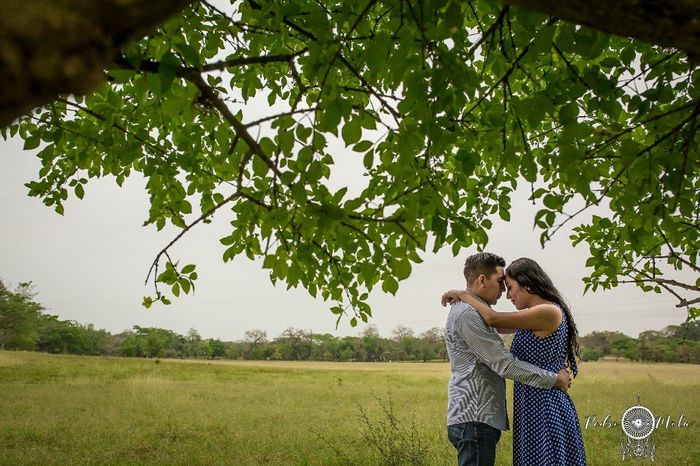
[90, 264]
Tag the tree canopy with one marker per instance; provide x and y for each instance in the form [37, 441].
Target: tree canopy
[447, 105]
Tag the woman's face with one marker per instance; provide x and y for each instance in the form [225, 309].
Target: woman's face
[517, 294]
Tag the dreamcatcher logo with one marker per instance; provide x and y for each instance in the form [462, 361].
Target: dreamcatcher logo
[638, 424]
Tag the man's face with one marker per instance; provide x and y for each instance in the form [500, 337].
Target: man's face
[494, 286]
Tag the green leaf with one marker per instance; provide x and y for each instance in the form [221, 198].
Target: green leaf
[368, 160]
[260, 167]
[185, 285]
[568, 114]
[376, 51]
[390, 285]
[454, 18]
[269, 261]
[553, 201]
[362, 146]
[352, 131]
[167, 71]
[466, 162]
[303, 132]
[190, 54]
[121, 76]
[153, 83]
[32, 142]
[402, 269]
[543, 39]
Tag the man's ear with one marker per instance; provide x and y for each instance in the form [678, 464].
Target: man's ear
[481, 280]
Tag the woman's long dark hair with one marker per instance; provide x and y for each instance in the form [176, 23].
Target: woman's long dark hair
[533, 279]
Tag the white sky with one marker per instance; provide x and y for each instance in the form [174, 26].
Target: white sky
[90, 264]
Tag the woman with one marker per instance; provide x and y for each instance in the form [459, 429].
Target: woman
[546, 429]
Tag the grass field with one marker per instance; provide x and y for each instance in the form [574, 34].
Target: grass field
[92, 410]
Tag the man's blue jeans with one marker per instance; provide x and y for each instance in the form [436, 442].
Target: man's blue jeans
[475, 443]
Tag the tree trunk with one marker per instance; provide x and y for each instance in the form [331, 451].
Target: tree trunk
[668, 23]
[51, 47]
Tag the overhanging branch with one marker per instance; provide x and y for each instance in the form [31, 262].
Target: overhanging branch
[262, 59]
[668, 23]
[210, 96]
[67, 47]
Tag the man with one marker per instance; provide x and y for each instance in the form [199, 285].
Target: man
[476, 393]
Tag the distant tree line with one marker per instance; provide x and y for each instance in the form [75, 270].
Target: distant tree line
[25, 326]
[675, 343]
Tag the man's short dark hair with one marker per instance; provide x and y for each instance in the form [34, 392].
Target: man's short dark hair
[481, 263]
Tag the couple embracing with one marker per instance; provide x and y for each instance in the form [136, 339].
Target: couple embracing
[546, 429]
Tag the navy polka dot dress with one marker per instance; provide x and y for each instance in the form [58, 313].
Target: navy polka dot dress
[546, 428]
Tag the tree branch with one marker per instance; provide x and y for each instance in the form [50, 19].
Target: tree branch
[677, 257]
[668, 23]
[485, 35]
[571, 67]
[689, 303]
[51, 48]
[164, 251]
[240, 61]
[210, 96]
[272, 117]
[607, 189]
[616, 136]
[665, 281]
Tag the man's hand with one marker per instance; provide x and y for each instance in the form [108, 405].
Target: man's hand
[563, 380]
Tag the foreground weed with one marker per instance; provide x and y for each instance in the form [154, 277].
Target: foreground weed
[397, 440]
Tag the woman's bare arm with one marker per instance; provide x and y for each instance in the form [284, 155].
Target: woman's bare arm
[542, 317]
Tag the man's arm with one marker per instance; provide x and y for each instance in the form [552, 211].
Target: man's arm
[489, 349]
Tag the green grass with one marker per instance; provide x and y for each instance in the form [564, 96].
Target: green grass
[94, 410]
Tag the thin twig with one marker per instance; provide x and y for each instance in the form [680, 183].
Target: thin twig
[240, 61]
[187, 228]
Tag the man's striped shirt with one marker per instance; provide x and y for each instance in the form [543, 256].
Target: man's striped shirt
[479, 360]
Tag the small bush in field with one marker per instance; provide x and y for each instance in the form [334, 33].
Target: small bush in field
[396, 438]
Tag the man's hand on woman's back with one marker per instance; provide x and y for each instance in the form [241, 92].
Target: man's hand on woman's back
[563, 382]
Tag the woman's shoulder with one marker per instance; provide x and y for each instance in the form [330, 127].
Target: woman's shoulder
[553, 310]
